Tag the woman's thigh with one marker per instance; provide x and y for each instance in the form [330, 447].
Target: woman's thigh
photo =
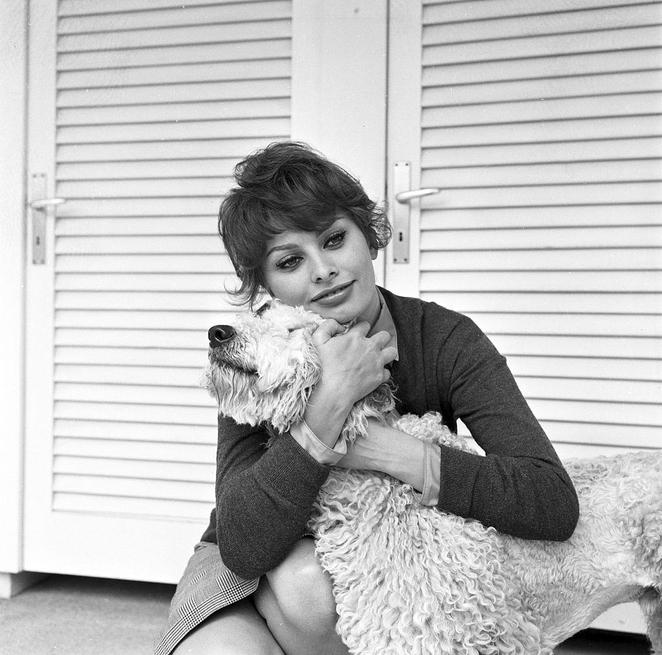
[234, 630]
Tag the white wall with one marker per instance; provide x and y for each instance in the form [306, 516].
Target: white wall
[12, 246]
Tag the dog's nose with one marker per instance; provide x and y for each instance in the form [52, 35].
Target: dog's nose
[220, 334]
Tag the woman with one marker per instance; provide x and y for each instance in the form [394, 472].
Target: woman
[302, 229]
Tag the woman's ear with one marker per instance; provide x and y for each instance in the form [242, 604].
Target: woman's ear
[373, 252]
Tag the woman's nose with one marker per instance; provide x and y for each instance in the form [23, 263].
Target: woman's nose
[324, 269]
[220, 334]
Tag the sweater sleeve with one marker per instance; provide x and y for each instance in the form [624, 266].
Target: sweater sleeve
[520, 486]
[264, 496]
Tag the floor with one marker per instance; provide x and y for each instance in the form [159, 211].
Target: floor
[91, 616]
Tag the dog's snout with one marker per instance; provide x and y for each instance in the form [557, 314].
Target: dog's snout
[220, 334]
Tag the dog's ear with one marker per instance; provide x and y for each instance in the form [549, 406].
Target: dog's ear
[285, 366]
[289, 401]
[286, 380]
[276, 371]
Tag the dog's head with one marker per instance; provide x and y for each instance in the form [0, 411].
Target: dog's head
[263, 367]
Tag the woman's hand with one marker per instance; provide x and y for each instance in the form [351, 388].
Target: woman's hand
[353, 365]
[390, 451]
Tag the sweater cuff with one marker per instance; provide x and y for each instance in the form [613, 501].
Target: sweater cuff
[431, 475]
[307, 439]
[459, 472]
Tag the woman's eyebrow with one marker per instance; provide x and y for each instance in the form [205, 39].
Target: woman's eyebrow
[282, 246]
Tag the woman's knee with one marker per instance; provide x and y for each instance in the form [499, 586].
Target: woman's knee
[302, 592]
[235, 630]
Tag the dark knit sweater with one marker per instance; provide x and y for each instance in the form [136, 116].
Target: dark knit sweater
[446, 364]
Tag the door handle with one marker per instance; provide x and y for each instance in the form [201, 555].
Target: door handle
[403, 195]
[406, 196]
[39, 205]
[43, 205]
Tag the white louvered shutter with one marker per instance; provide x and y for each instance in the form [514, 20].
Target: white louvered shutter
[155, 103]
[541, 123]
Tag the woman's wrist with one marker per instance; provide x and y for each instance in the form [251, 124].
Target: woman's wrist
[326, 414]
[406, 459]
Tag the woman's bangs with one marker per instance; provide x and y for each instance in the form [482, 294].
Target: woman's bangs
[304, 220]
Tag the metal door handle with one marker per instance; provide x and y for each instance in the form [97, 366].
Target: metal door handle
[39, 205]
[403, 195]
[42, 205]
[406, 196]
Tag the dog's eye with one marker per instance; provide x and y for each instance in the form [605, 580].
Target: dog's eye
[296, 328]
[263, 308]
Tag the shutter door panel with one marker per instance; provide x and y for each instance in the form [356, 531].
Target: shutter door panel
[589, 324]
[176, 111]
[584, 367]
[451, 11]
[138, 320]
[82, 431]
[473, 27]
[182, 15]
[144, 282]
[541, 125]
[163, 375]
[634, 170]
[190, 225]
[546, 45]
[548, 109]
[139, 451]
[543, 217]
[569, 130]
[156, 103]
[164, 74]
[185, 54]
[127, 356]
[607, 83]
[556, 64]
[577, 302]
[147, 150]
[559, 259]
[191, 92]
[542, 153]
[86, 7]
[254, 30]
[601, 281]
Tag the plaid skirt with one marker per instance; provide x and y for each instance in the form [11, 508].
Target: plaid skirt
[207, 586]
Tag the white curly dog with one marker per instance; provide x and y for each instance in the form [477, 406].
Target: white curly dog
[409, 579]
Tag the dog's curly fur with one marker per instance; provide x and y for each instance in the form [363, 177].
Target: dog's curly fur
[411, 579]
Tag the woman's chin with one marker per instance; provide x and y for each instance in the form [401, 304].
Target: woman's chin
[338, 316]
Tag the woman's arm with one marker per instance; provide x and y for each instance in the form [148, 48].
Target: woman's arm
[520, 486]
[264, 495]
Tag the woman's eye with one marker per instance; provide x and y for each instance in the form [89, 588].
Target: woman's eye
[335, 240]
[288, 262]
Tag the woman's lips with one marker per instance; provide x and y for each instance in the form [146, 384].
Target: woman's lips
[335, 295]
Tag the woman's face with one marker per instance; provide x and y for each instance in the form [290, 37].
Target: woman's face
[328, 272]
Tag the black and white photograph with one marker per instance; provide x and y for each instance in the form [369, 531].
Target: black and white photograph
[331, 327]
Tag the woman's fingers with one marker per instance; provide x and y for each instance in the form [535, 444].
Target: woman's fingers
[389, 354]
[326, 330]
[351, 359]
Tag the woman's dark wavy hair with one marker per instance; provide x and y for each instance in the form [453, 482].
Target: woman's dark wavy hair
[289, 186]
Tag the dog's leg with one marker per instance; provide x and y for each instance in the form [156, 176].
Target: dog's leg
[651, 606]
